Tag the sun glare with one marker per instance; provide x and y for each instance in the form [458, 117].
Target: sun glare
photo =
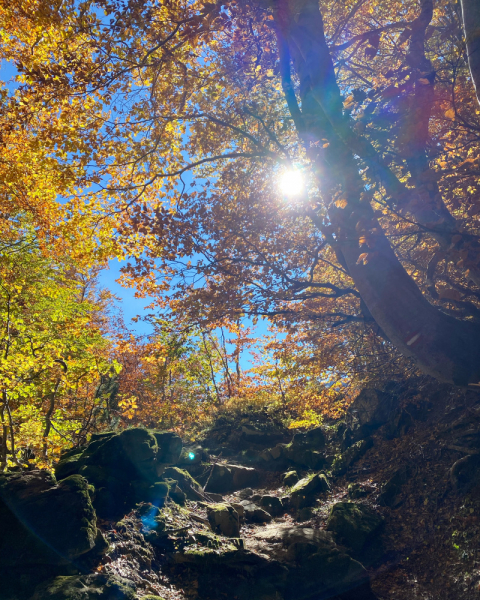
[291, 183]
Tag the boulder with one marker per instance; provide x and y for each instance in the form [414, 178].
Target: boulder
[370, 409]
[220, 479]
[224, 519]
[317, 567]
[246, 493]
[44, 522]
[228, 478]
[303, 493]
[306, 449]
[357, 490]
[191, 487]
[255, 514]
[243, 476]
[272, 505]
[298, 454]
[86, 587]
[290, 478]
[314, 439]
[342, 462]
[122, 467]
[353, 525]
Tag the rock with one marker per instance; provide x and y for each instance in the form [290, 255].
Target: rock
[86, 587]
[255, 514]
[272, 505]
[353, 525]
[370, 409]
[176, 493]
[246, 493]
[317, 567]
[357, 490]
[303, 456]
[314, 439]
[215, 497]
[185, 481]
[169, 447]
[290, 478]
[210, 550]
[43, 522]
[341, 464]
[240, 510]
[220, 479]
[465, 473]
[228, 478]
[224, 519]
[243, 476]
[262, 434]
[121, 466]
[390, 494]
[303, 493]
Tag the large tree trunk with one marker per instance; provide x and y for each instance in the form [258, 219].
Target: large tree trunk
[442, 346]
[471, 26]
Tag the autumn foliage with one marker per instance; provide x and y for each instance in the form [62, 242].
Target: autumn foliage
[157, 133]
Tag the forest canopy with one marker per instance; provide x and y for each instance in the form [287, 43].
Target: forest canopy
[160, 133]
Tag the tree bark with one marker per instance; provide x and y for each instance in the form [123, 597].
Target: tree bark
[471, 26]
[444, 347]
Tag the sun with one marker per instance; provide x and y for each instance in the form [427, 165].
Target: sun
[291, 183]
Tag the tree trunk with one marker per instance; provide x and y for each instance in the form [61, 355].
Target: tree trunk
[442, 346]
[471, 26]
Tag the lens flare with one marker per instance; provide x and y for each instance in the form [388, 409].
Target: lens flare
[191, 455]
[291, 183]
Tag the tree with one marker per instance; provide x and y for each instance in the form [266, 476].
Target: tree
[471, 24]
[371, 101]
[52, 351]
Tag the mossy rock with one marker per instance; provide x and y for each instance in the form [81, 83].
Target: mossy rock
[290, 478]
[353, 525]
[224, 519]
[86, 587]
[123, 466]
[44, 522]
[185, 482]
[304, 491]
[272, 505]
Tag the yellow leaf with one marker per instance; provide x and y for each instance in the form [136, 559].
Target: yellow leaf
[342, 203]
[450, 113]
[423, 81]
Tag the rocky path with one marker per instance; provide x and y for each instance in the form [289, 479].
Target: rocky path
[381, 506]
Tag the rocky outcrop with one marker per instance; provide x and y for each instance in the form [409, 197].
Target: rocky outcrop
[305, 450]
[353, 525]
[124, 467]
[45, 522]
[304, 493]
[317, 567]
